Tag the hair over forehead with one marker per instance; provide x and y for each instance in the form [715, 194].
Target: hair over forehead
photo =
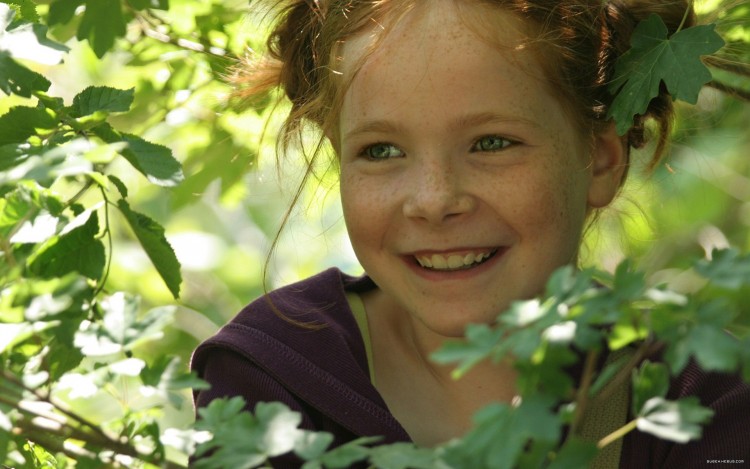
[578, 43]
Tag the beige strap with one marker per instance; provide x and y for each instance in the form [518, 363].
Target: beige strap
[604, 417]
[360, 315]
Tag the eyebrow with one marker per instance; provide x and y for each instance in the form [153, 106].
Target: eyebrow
[460, 122]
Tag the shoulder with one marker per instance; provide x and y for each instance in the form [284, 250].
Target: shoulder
[261, 354]
[293, 320]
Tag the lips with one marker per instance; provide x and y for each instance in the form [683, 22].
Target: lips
[449, 262]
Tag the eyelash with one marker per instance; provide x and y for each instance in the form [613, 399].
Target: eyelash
[475, 147]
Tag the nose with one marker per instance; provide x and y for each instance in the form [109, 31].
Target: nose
[437, 193]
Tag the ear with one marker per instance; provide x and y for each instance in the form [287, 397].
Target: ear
[609, 160]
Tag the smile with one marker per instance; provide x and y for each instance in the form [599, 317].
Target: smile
[452, 262]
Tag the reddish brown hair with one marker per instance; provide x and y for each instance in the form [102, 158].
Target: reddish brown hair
[581, 40]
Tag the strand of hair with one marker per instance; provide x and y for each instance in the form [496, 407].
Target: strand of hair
[733, 91]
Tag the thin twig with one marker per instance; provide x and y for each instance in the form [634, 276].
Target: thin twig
[149, 29]
[59, 408]
[617, 434]
[108, 233]
[582, 397]
[98, 438]
[624, 374]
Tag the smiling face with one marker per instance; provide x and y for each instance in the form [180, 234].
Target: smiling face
[463, 182]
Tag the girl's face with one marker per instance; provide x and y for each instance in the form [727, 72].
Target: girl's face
[464, 184]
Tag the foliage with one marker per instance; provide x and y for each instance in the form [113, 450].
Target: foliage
[655, 58]
[139, 141]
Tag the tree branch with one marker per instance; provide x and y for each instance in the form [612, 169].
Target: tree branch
[582, 397]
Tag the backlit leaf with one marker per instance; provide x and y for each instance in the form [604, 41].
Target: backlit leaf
[151, 236]
[76, 251]
[678, 421]
[102, 23]
[21, 122]
[17, 79]
[154, 161]
[101, 98]
[727, 268]
[62, 11]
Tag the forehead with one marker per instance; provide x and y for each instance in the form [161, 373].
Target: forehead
[439, 48]
[449, 22]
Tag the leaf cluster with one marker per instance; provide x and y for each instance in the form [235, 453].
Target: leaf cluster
[583, 317]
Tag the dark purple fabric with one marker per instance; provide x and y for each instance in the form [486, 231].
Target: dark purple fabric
[323, 374]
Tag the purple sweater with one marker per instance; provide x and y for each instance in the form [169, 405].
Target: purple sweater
[323, 374]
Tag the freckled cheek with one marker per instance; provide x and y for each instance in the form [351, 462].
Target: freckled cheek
[542, 205]
[367, 207]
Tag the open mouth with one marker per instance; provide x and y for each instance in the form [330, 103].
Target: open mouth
[453, 262]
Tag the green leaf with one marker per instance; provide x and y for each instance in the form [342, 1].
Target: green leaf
[513, 426]
[44, 164]
[21, 122]
[218, 411]
[574, 454]
[11, 155]
[75, 251]
[403, 456]
[120, 329]
[678, 421]
[312, 445]
[651, 380]
[151, 236]
[117, 182]
[102, 23]
[101, 98]
[654, 58]
[25, 10]
[11, 334]
[62, 11]
[243, 440]
[479, 344]
[628, 284]
[16, 206]
[36, 230]
[153, 161]
[727, 268]
[19, 80]
[281, 427]
[713, 348]
[347, 454]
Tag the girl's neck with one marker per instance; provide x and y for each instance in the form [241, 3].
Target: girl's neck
[422, 395]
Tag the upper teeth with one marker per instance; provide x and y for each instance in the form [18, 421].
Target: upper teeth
[453, 261]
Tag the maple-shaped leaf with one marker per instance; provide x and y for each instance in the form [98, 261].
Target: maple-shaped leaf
[654, 57]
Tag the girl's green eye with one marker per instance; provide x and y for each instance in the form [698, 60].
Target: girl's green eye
[382, 151]
[491, 143]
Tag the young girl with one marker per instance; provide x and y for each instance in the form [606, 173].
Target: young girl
[473, 150]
